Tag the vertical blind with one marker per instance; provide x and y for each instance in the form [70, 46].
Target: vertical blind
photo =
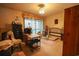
[36, 25]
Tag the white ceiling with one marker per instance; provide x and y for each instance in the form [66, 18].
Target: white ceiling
[50, 8]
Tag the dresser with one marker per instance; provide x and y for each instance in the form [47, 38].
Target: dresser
[17, 31]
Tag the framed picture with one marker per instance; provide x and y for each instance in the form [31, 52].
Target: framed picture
[56, 21]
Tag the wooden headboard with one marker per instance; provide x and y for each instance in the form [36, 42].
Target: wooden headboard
[56, 30]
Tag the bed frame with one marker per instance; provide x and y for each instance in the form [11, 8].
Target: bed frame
[57, 32]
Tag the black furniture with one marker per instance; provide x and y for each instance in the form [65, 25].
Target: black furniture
[4, 36]
[17, 31]
[28, 30]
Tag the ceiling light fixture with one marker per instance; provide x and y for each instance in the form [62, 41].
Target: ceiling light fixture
[41, 9]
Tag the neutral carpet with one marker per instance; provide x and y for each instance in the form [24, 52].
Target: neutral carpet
[48, 48]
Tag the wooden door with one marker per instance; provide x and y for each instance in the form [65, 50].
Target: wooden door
[71, 32]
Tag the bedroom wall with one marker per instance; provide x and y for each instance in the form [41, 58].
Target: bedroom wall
[50, 20]
[6, 18]
[7, 15]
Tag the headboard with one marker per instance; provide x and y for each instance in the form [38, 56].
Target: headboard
[55, 31]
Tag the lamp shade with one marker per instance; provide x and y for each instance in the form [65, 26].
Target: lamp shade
[41, 11]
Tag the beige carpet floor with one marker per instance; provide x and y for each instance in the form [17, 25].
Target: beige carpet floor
[48, 48]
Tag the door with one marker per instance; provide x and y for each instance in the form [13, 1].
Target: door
[71, 32]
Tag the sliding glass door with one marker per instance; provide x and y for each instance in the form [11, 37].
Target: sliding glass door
[33, 26]
[39, 26]
[36, 25]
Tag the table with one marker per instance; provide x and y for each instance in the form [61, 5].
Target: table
[34, 38]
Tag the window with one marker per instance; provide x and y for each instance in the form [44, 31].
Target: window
[36, 25]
